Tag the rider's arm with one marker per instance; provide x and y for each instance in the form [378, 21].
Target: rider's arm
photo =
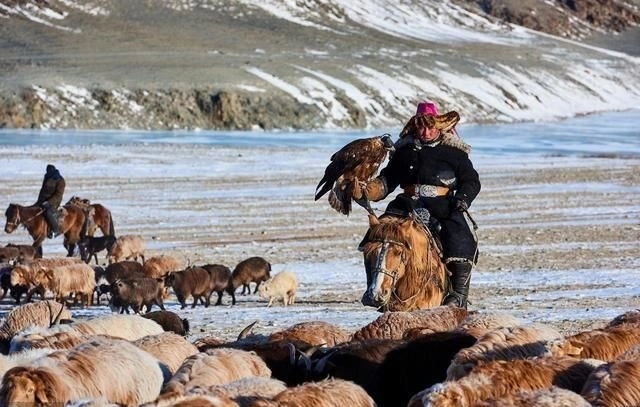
[468, 181]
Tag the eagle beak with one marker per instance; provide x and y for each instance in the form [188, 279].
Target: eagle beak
[388, 142]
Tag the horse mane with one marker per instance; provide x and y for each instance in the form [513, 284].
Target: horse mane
[422, 277]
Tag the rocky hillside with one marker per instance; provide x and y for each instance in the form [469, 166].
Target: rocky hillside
[247, 64]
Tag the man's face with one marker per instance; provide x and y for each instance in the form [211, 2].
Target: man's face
[428, 134]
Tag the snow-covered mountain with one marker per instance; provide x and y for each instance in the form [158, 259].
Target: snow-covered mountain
[308, 63]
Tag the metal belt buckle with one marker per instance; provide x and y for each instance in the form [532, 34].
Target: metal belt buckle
[428, 191]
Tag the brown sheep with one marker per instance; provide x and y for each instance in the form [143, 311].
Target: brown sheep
[42, 313]
[215, 367]
[614, 385]
[393, 325]
[18, 253]
[603, 344]
[9, 254]
[160, 266]
[283, 285]
[500, 378]
[167, 347]
[251, 270]
[315, 333]
[76, 278]
[194, 282]
[221, 276]
[517, 342]
[552, 397]
[122, 269]
[479, 323]
[114, 369]
[169, 321]
[136, 292]
[127, 247]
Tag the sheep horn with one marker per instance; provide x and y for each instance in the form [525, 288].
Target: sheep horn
[320, 366]
[57, 319]
[246, 331]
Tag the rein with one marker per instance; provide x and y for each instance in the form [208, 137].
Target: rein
[381, 269]
[380, 263]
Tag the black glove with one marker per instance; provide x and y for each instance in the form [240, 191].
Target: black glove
[460, 205]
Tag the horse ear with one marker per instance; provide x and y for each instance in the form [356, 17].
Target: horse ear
[373, 220]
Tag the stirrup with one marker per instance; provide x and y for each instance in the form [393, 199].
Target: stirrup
[455, 299]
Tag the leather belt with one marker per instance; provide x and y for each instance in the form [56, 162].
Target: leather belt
[426, 191]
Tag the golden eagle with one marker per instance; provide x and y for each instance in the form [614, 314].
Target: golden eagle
[352, 165]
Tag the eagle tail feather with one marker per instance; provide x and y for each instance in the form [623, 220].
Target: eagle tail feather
[339, 200]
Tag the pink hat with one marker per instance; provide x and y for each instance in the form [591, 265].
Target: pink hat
[426, 107]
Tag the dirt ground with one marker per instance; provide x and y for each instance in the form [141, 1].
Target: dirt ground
[576, 218]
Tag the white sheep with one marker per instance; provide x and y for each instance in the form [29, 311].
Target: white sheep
[21, 358]
[248, 387]
[41, 313]
[398, 324]
[129, 327]
[168, 347]
[160, 266]
[326, 393]
[78, 278]
[127, 247]
[215, 367]
[282, 285]
[114, 369]
[516, 342]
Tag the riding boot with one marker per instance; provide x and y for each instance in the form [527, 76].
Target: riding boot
[460, 279]
[52, 219]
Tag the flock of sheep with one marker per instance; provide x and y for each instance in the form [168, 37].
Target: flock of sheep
[439, 357]
[130, 284]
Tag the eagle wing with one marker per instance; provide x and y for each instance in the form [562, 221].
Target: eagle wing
[356, 162]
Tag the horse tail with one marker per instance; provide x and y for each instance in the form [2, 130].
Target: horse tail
[112, 231]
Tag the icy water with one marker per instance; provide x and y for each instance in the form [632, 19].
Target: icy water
[616, 133]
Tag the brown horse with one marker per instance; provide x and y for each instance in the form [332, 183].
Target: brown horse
[32, 218]
[98, 216]
[404, 268]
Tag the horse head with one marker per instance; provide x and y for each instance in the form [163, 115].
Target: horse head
[403, 265]
[387, 249]
[13, 218]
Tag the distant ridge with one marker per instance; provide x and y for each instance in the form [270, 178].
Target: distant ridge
[251, 64]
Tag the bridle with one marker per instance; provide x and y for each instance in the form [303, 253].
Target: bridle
[17, 221]
[380, 268]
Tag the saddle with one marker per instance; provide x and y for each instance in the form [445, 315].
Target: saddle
[422, 216]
